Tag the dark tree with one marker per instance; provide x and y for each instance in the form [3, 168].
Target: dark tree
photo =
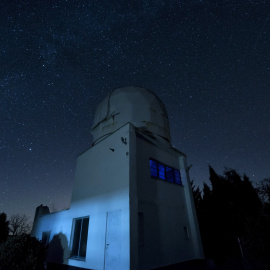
[226, 212]
[263, 188]
[257, 240]
[197, 195]
[4, 229]
[19, 224]
[22, 252]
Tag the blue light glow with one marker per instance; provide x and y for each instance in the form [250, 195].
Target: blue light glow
[163, 172]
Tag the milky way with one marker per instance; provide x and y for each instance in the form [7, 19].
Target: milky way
[208, 61]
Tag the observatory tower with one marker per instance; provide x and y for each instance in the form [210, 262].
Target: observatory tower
[132, 205]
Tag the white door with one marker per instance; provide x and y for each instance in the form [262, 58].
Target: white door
[113, 241]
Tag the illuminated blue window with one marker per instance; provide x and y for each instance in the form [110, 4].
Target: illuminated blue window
[170, 174]
[79, 241]
[165, 173]
[177, 177]
[153, 168]
[161, 171]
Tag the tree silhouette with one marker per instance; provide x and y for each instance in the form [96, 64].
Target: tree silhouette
[197, 195]
[263, 188]
[228, 212]
[19, 224]
[22, 252]
[4, 229]
[257, 240]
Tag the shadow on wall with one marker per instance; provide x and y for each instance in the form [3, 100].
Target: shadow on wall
[58, 251]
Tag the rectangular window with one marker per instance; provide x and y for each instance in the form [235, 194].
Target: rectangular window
[160, 171]
[177, 177]
[80, 233]
[153, 168]
[169, 174]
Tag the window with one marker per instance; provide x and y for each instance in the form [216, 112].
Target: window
[165, 173]
[153, 168]
[79, 241]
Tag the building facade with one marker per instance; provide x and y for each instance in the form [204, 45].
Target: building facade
[132, 205]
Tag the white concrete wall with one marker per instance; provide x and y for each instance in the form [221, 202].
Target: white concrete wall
[59, 222]
[191, 211]
[133, 176]
[107, 180]
[101, 185]
[165, 210]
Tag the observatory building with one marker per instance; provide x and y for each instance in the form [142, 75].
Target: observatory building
[132, 205]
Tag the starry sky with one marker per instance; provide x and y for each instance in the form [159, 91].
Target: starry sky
[207, 60]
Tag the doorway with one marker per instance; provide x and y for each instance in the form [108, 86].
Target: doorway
[113, 241]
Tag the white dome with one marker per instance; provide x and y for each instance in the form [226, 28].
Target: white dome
[135, 105]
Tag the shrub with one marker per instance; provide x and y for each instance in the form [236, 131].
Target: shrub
[22, 252]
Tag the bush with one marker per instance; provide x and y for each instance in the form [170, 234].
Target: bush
[22, 252]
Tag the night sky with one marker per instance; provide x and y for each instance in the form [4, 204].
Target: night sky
[207, 60]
